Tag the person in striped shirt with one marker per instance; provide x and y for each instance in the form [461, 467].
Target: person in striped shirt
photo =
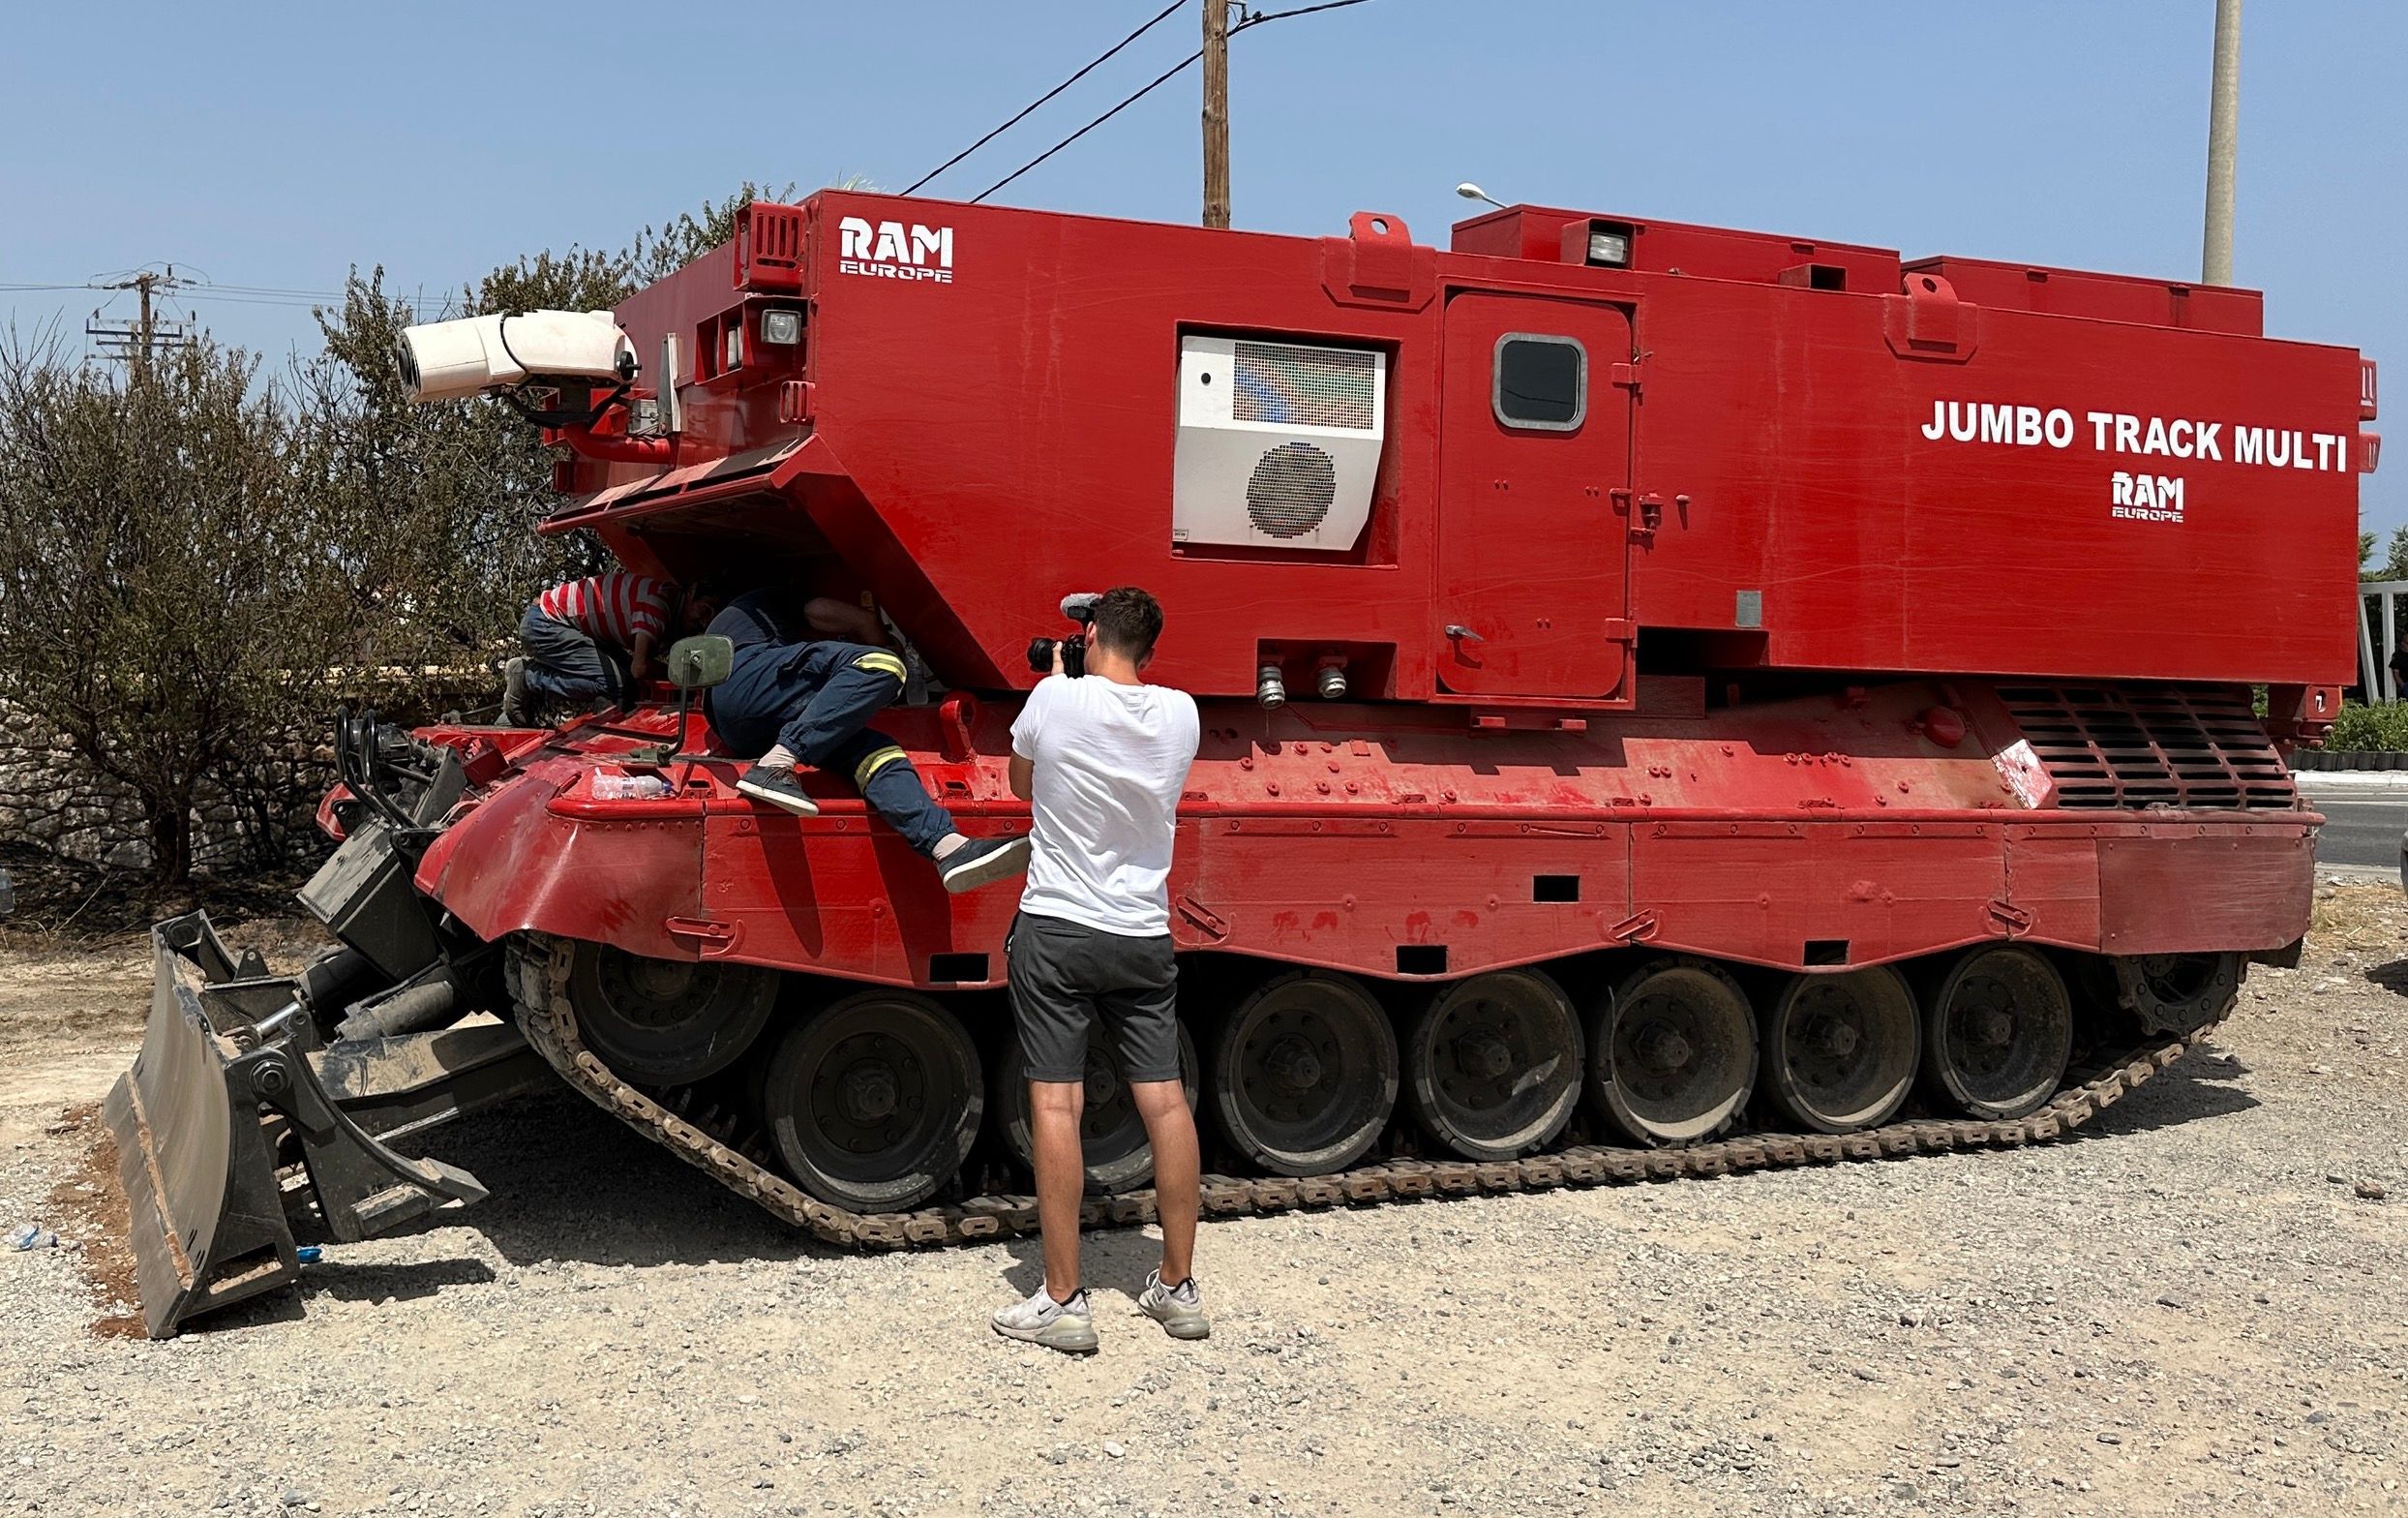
[577, 635]
[808, 677]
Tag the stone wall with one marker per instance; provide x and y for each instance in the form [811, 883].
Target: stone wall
[262, 816]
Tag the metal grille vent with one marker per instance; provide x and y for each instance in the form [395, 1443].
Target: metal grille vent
[1291, 491]
[2166, 746]
[1304, 386]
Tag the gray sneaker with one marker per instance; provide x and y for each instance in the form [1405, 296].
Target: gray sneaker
[1180, 1312]
[1068, 1327]
[982, 862]
[777, 785]
[514, 695]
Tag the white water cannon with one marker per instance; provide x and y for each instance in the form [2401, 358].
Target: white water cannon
[486, 356]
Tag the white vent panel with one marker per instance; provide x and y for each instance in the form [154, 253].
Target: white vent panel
[1279, 442]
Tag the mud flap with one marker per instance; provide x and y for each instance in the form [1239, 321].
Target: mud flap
[223, 1078]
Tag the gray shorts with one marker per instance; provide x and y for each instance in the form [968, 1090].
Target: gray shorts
[1064, 975]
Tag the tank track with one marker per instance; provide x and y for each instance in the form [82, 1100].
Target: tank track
[540, 984]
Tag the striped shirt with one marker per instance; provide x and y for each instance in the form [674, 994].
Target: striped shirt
[610, 608]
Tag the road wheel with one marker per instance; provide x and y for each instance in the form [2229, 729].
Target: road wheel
[1998, 1028]
[1673, 1052]
[1841, 1050]
[667, 1021]
[1112, 1136]
[1493, 1064]
[1304, 1074]
[874, 1101]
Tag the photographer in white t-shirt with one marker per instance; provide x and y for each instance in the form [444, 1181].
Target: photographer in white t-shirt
[1103, 760]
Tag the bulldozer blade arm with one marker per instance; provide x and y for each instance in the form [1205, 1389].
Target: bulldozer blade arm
[198, 1165]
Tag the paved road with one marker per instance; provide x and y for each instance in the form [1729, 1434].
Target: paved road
[2361, 830]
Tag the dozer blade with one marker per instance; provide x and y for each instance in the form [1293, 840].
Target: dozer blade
[198, 1148]
[199, 1173]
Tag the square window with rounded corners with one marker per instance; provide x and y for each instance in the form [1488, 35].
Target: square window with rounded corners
[1541, 382]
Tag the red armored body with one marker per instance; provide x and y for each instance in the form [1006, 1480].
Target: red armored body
[1659, 684]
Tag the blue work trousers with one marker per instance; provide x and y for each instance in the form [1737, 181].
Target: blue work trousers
[817, 699]
[565, 664]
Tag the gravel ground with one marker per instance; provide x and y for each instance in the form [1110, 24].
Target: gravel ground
[2190, 1309]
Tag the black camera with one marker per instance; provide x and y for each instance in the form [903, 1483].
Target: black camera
[1074, 654]
[1080, 609]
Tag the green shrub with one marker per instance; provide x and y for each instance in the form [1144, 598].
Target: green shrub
[2376, 729]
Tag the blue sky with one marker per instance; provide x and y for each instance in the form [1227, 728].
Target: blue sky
[273, 146]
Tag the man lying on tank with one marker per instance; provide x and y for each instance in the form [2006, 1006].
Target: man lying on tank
[808, 700]
[591, 641]
[777, 614]
[1101, 761]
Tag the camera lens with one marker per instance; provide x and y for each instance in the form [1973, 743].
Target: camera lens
[1040, 655]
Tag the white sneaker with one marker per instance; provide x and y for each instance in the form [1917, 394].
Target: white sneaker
[1180, 1312]
[1068, 1327]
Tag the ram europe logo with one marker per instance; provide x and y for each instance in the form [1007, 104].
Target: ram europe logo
[887, 251]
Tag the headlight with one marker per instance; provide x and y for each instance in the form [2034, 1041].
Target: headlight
[781, 327]
[1610, 247]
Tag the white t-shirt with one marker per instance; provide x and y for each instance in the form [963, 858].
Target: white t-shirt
[1111, 760]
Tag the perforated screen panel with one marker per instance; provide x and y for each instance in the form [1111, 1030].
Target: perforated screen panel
[1304, 386]
[1291, 491]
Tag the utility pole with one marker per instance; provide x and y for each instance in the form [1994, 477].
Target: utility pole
[1216, 113]
[143, 282]
[2215, 262]
[136, 341]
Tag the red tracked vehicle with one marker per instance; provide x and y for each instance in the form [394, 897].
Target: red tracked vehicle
[1660, 682]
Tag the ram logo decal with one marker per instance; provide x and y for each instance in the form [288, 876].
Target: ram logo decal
[889, 251]
[2147, 498]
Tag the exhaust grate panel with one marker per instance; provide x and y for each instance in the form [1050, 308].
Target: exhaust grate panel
[1294, 386]
[2137, 746]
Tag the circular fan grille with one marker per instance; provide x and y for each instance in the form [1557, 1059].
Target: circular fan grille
[1292, 488]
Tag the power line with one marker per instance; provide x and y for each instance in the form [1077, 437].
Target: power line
[1258, 17]
[261, 295]
[1161, 16]
[165, 320]
[240, 295]
[1160, 79]
[1255, 19]
[310, 294]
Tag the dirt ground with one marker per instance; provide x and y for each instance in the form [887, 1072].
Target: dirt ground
[2190, 1309]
